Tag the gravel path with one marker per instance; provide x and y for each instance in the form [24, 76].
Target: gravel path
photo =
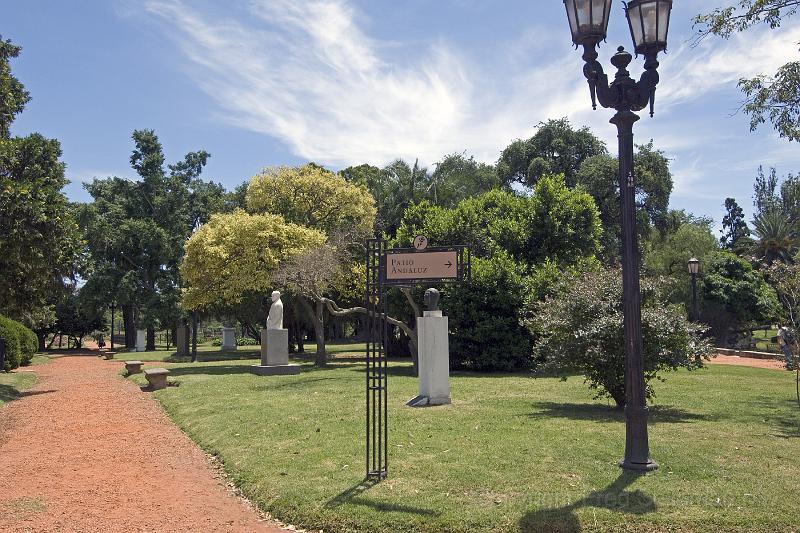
[748, 361]
[85, 450]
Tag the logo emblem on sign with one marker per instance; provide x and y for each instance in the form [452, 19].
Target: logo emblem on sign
[420, 242]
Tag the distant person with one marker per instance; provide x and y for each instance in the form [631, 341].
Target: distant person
[785, 342]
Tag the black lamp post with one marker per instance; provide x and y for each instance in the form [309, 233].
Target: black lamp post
[649, 23]
[694, 268]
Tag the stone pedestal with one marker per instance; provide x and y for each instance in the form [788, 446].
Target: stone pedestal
[141, 340]
[275, 354]
[228, 339]
[434, 360]
[182, 341]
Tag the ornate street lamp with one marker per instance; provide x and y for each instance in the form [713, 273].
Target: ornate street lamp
[694, 269]
[649, 23]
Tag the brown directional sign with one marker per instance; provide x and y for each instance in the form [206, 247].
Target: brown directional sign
[434, 264]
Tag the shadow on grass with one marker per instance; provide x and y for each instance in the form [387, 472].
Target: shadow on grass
[614, 498]
[210, 357]
[607, 413]
[353, 496]
[782, 414]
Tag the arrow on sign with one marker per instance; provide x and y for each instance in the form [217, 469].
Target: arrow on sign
[449, 264]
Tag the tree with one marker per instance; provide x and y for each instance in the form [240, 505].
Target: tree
[458, 177]
[772, 97]
[313, 197]
[135, 232]
[318, 199]
[785, 278]
[39, 241]
[236, 254]
[735, 233]
[580, 330]
[555, 148]
[776, 237]
[555, 222]
[734, 296]
[598, 175]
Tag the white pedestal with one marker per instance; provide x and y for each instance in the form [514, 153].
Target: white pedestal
[141, 340]
[228, 339]
[434, 360]
[275, 354]
[182, 341]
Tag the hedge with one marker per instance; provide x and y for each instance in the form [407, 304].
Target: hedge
[21, 343]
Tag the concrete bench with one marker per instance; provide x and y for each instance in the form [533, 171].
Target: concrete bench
[157, 377]
[110, 355]
[133, 367]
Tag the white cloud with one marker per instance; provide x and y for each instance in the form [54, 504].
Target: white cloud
[308, 74]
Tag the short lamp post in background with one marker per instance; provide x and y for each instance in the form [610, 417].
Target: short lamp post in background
[694, 269]
[113, 308]
[648, 21]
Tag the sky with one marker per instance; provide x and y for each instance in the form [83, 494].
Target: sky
[261, 83]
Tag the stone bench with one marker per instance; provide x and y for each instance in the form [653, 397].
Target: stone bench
[110, 355]
[156, 377]
[133, 367]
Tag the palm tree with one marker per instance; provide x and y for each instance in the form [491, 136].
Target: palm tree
[776, 236]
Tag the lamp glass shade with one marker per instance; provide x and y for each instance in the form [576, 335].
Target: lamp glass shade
[649, 24]
[694, 265]
[588, 20]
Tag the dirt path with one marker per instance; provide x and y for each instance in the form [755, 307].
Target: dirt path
[87, 451]
[748, 361]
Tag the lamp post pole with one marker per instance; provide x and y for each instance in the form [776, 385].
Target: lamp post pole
[649, 22]
[694, 268]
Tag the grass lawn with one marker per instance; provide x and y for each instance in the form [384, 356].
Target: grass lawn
[512, 453]
[208, 352]
[12, 384]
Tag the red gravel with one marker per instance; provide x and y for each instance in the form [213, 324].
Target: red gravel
[748, 361]
[85, 450]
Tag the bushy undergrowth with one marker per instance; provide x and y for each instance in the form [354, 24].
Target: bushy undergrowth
[581, 331]
[21, 343]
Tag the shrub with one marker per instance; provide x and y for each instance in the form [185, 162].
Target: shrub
[11, 333]
[580, 331]
[485, 328]
[29, 345]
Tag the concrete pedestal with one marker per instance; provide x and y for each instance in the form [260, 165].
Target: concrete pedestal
[141, 340]
[228, 339]
[182, 341]
[275, 354]
[434, 360]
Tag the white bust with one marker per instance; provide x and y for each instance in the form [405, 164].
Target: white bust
[275, 317]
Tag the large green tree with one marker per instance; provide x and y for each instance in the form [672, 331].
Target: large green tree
[555, 148]
[774, 97]
[135, 232]
[38, 235]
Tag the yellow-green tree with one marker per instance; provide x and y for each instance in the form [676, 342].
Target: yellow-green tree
[236, 254]
[315, 198]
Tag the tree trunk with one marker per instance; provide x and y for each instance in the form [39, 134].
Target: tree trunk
[194, 337]
[129, 320]
[315, 316]
[42, 337]
[151, 340]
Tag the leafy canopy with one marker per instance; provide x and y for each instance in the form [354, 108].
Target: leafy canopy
[313, 197]
[236, 254]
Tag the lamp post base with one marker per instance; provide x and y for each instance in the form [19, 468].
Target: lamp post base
[648, 466]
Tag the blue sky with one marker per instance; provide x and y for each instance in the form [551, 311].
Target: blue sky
[269, 82]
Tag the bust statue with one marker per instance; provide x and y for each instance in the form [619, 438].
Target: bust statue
[275, 317]
[431, 300]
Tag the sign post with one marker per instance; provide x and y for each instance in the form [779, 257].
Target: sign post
[387, 268]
